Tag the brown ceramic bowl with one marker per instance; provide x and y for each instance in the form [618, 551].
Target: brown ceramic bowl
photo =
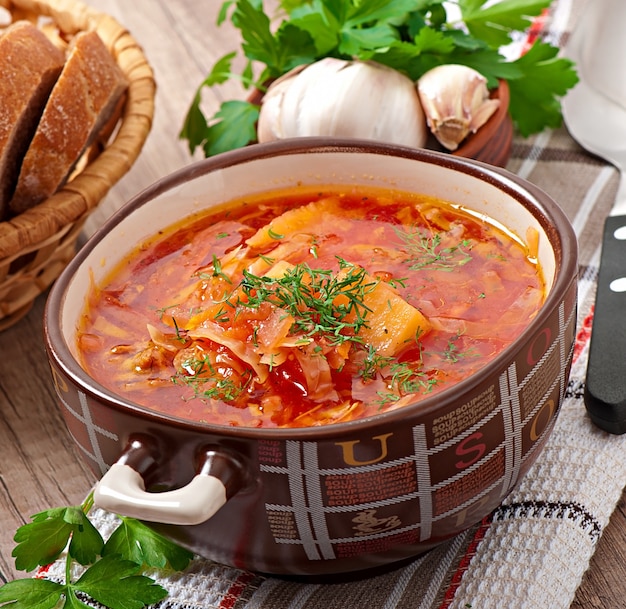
[288, 501]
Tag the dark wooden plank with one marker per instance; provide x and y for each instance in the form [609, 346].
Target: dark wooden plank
[604, 584]
[40, 467]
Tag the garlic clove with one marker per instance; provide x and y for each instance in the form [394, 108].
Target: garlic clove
[379, 103]
[269, 127]
[340, 98]
[456, 102]
[309, 103]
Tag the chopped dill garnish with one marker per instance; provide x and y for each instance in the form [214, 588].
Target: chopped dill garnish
[400, 378]
[222, 316]
[407, 379]
[399, 282]
[373, 363]
[163, 310]
[217, 269]
[453, 354]
[386, 397]
[206, 382]
[274, 235]
[322, 303]
[426, 252]
[181, 335]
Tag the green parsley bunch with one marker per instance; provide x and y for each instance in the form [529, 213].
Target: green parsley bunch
[112, 571]
[411, 36]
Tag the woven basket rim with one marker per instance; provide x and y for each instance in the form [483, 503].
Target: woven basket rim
[79, 196]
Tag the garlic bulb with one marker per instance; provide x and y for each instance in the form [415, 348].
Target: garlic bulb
[341, 98]
[456, 102]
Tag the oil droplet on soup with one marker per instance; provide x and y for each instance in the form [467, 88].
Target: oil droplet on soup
[303, 308]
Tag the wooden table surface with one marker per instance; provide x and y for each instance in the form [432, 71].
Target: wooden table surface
[40, 466]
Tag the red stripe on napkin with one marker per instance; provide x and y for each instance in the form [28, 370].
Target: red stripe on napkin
[235, 591]
[465, 561]
[583, 335]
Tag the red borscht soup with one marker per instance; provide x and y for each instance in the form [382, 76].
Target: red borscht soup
[309, 307]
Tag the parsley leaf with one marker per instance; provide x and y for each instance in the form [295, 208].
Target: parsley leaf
[221, 71]
[411, 36]
[31, 594]
[495, 23]
[43, 540]
[137, 542]
[115, 583]
[235, 127]
[112, 573]
[288, 48]
[111, 581]
[196, 125]
[534, 96]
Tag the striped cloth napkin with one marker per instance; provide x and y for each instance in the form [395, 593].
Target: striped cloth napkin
[533, 550]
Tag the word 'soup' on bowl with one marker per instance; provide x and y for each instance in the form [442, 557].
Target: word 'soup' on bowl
[299, 448]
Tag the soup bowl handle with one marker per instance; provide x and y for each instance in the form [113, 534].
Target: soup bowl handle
[122, 490]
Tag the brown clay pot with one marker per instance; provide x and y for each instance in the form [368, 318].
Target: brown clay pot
[343, 497]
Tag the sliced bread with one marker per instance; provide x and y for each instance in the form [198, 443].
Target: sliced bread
[29, 67]
[80, 104]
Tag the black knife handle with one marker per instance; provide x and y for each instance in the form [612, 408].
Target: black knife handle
[605, 387]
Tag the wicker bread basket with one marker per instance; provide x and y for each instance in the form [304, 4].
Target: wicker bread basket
[36, 245]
